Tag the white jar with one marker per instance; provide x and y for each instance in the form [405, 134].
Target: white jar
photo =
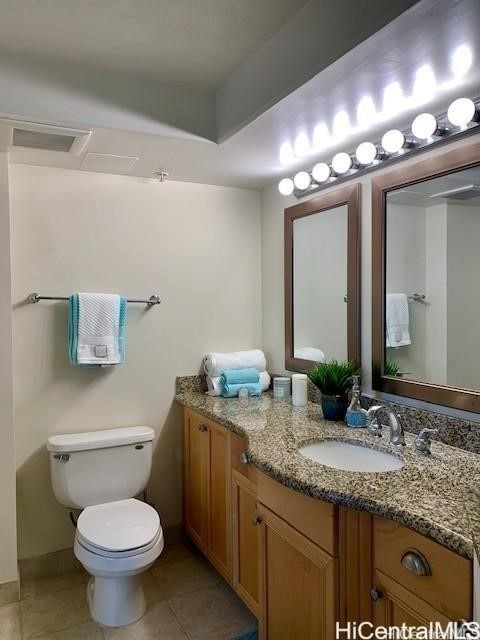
[281, 388]
[299, 389]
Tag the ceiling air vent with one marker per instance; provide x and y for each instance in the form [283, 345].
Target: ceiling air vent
[46, 137]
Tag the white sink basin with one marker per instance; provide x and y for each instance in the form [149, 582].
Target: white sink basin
[350, 457]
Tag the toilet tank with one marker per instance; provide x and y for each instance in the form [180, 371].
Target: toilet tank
[100, 466]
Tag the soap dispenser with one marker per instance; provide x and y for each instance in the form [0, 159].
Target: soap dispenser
[356, 415]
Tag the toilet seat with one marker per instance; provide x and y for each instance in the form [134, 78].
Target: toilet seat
[118, 529]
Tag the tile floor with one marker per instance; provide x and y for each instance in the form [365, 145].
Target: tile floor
[187, 600]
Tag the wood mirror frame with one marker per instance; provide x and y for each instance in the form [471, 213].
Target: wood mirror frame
[461, 158]
[349, 196]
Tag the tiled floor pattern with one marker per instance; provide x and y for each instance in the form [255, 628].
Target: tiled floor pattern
[187, 600]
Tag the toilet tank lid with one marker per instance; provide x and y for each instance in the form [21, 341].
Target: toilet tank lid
[99, 439]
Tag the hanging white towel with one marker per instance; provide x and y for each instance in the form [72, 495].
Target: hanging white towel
[98, 328]
[397, 320]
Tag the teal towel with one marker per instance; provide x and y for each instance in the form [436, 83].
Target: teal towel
[73, 330]
[232, 376]
[231, 390]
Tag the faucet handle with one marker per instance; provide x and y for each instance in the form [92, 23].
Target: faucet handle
[374, 426]
[424, 440]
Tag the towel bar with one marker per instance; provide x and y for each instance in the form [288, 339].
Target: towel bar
[154, 299]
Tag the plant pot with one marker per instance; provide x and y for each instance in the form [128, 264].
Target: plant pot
[334, 407]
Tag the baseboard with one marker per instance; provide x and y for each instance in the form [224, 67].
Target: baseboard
[9, 592]
[50, 564]
[58, 562]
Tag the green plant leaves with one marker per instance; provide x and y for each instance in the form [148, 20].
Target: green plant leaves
[334, 377]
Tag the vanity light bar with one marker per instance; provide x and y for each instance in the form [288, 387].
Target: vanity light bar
[462, 118]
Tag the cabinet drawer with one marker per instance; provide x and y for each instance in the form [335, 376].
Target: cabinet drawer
[239, 463]
[316, 519]
[448, 588]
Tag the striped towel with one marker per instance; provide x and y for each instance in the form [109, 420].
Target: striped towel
[96, 329]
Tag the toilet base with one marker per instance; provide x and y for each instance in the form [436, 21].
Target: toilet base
[116, 602]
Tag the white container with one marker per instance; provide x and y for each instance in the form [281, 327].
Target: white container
[299, 389]
[281, 388]
[100, 466]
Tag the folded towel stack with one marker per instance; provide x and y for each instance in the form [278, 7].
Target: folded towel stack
[235, 379]
[214, 364]
[96, 329]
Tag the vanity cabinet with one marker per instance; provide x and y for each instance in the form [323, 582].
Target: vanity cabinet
[417, 580]
[207, 489]
[299, 563]
[298, 571]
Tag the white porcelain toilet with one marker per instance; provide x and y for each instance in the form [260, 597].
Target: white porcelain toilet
[117, 536]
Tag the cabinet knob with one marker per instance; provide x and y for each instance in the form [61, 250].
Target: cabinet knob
[376, 594]
[244, 458]
[202, 427]
[256, 520]
[413, 560]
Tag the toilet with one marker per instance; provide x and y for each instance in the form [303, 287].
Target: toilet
[118, 537]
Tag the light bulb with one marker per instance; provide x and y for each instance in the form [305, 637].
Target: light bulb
[302, 180]
[425, 84]
[462, 59]
[286, 154]
[321, 172]
[341, 125]
[366, 153]
[393, 98]
[302, 145]
[424, 126]
[286, 186]
[461, 112]
[393, 141]
[366, 113]
[321, 136]
[342, 162]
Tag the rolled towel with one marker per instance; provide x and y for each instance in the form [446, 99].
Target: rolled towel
[238, 376]
[214, 385]
[215, 363]
[231, 390]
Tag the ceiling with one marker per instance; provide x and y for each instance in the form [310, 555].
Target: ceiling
[194, 43]
[174, 129]
[461, 188]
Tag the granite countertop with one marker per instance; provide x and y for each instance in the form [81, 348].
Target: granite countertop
[432, 495]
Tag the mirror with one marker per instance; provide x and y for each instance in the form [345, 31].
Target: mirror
[321, 280]
[429, 303]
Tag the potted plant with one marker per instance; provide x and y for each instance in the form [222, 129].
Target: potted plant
[334, 379]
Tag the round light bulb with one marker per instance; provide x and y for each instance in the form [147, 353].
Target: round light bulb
[342, 162]
[321, 172]
[366, 153]
[461, 112]
[462, 59]
[424, 126]
[302, 180]
[286, 186]
[393, 141]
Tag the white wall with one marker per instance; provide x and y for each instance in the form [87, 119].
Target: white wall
[198, 246]
[320, 282]
[8, 546]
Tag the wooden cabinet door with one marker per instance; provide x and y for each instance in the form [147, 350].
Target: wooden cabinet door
[298, 584]
[246, 540]
[396, 606]
[219, 528]
[195, 478]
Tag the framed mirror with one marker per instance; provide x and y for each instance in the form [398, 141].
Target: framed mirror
[322, 279]
[426, 261]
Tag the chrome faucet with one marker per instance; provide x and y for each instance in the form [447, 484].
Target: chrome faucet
[423, 441]
[374, 426]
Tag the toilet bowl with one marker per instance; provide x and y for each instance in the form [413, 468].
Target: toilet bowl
[116, 542]
[117, 536]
